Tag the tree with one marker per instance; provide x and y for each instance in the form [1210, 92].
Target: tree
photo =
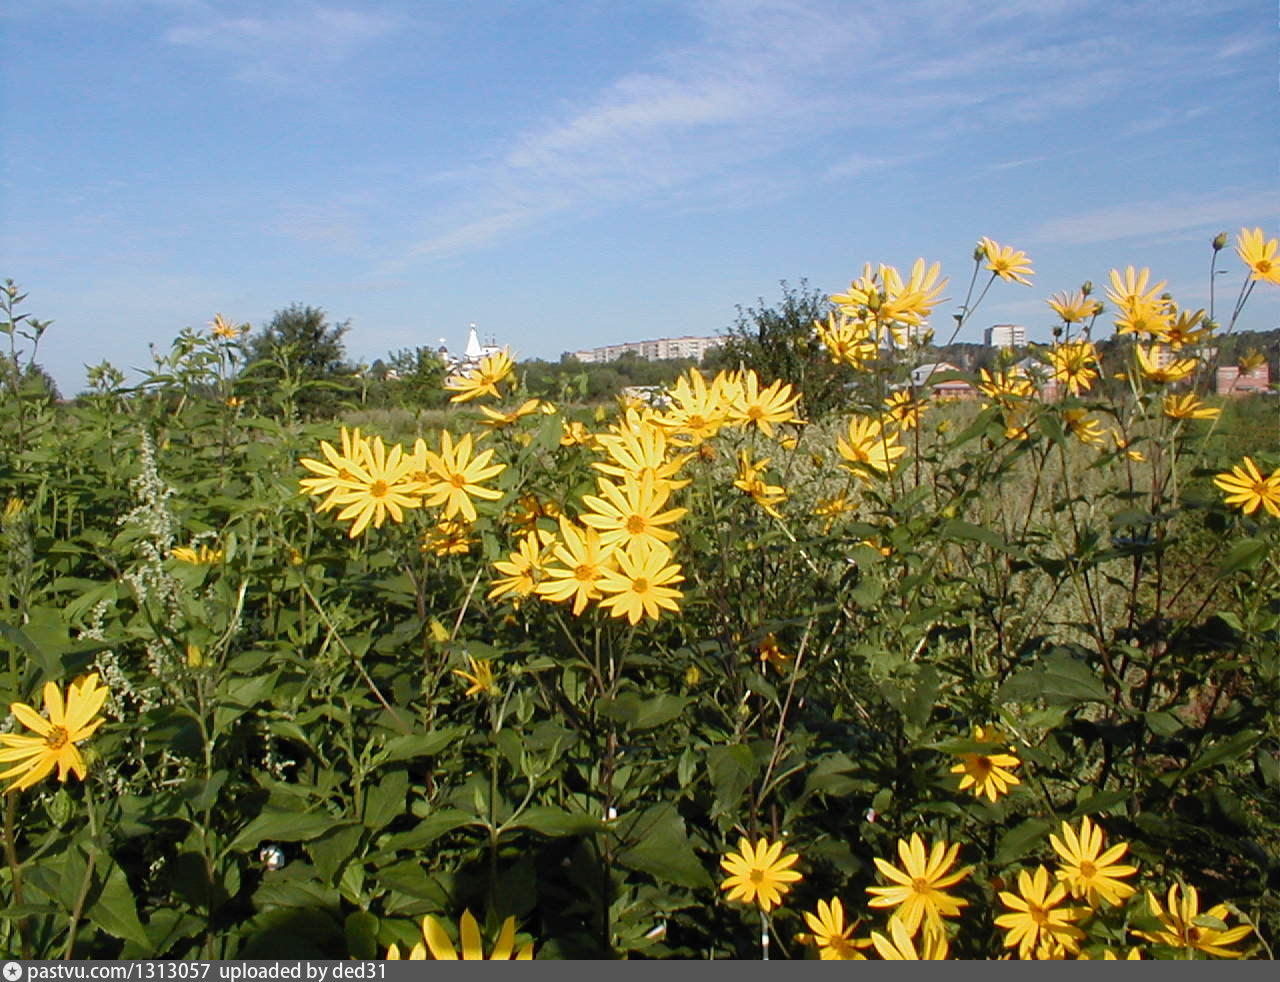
[301, 356]
[418, 380]
[779, 343]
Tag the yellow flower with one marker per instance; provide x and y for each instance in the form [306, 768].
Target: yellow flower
[751, 482]
[934, 945]
[759, 874]
[1009, 388]
[1172, 370]
[1188, 407]
[380, 485]
[14, 507]
[575, 434]
[639, 587]
[585, 561]
[1130, 291]
[848, 340]
[449, 537]
[523, 567]
[830, 508]
[1074, 308]
[1089, 431]
[762, 407]
[914, 301]
[1089, 872]
[919, 893]
[1182, 330]
[987, 774]
[1185, 927]
[1246, 487]
[869, 446]
[483, 379]
[774, 656]
[530, 509]
[632, 513]
[454, 478]
[833, 938]
[1075, 364]
[1258, 255]
[339, 475]
[224, 329]
[640, 448]
[437, 940]
[904, 409]
[204, 556]
[1036, 916]
[1123, 444]
[695, 410]
[1006, 262]
[480, 678]
[497, 420]
[70, 721]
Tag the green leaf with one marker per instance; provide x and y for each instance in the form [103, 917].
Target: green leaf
[966, 532]
[115, 911]
[280, 825]
[1021, 840]
[732, 769]
[556, 822]
[385, 799]
[1103, 801]
[1060, 679]
[429, 829]
[411, 746]
[331, 851]
[361, 929]
[638, 713]
[1245, 554]
[1226, 750]
[662, 848]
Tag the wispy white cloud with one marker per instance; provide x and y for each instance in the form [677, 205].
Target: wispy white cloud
[1172, 216]
[289, 43]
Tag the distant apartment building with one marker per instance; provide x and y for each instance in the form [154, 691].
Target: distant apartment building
[1005, 336]
[1233, 382]
[662, 348]
[924, 375]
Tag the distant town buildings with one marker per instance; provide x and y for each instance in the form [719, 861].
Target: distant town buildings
[923, 375]
[1005, 336]
[1231, 381]
[661, 348]
[458, 365]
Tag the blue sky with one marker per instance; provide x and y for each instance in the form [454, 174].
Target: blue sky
[568, 173]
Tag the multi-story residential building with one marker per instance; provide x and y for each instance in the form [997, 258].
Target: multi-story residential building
[1005, 336]
[661, 348]
[1234, 382]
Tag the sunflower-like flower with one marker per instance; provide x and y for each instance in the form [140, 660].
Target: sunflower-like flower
[1159, 368]
[1075, 365]
[1246, 487]
[919, 890]
[763, 407]
[847, 339]
[1185, 329]
[196, 556]
[438, 942]
[497, 420]
[989, 774]
[1007, 387]
[1259, 255]
[695, 410]
[759, 874]
[454, 477]
[449, 537]
[1037, 917]
[899, 947]
[483, 379]
[750, 481]
[523, 568]
[1188, 407]
[831, 936]
[69, 721]
[1185, 927]
[773, 655]
[1088, 431]
[480, 680]
[1075, 307]
[1130, 290]
[640, 447]
[584, 562]
[869, 446]
[1088, 872]
[640, 585]
[381, 485]
[904, 409]
[632, 512]
[225, 330]
[339, 473]
[1006, 262]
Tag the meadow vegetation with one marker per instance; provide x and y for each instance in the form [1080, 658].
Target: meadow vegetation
[743, 673]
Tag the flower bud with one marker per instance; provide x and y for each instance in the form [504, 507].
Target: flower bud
[1086, 287]
[1219, 241]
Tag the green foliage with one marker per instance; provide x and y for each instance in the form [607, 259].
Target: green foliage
[301, 356]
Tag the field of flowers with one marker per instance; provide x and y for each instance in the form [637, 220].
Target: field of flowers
[699, 679]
